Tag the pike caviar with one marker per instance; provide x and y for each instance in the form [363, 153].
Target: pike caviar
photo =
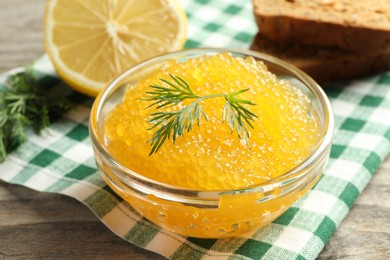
[211, 156]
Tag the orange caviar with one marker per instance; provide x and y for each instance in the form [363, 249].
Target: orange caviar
[210, 156]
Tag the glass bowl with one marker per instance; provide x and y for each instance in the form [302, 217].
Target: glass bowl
[219, 213]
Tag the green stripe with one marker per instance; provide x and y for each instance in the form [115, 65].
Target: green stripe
[103, 201]
[62, 166]
[205, 243]
[371, 101]
[349, 194]
[142, 233]
[44, 158]
[81, 172]
[279, 253]
[253, 249]
[387, 135]
[331, 185]
[27, 151]
[188, 251]
[79, 132]
[376, 129]
[352, 124]
[233, 9]
[372, 162]
[227, 245]
[191, 44]
[385, 79]
[333, 91]
[244, 37]
[59, 186]
[325, 229]
[337, 150]
[25, 174]
[203, 1]
[355, 154]
[306, 220]
[286, 218]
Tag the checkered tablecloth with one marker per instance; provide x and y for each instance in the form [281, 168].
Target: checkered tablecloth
[61, 160]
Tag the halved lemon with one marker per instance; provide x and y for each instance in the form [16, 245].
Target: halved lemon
[90, 42]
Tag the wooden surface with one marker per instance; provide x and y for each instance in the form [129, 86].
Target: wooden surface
[36, 225]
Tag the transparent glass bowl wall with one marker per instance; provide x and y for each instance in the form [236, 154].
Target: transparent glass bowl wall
[210, 214]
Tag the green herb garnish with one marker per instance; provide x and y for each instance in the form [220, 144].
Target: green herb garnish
[25, 104]
[175, 123]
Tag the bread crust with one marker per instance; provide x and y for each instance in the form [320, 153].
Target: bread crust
[326, 64]
[312, 30]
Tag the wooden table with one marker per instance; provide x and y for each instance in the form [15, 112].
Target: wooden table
[39, 225]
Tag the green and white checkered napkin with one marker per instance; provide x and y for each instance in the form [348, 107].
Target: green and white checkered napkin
[61, 160]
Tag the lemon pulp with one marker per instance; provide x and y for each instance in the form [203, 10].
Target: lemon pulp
[210, 156]
[91, 42]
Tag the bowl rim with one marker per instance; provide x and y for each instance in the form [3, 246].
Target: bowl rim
[321, 147]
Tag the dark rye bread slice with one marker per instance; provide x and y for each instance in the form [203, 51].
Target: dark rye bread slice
[360, 25]
[326, 64]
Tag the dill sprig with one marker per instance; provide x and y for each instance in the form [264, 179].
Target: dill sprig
[173, 124]
[25, 104]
